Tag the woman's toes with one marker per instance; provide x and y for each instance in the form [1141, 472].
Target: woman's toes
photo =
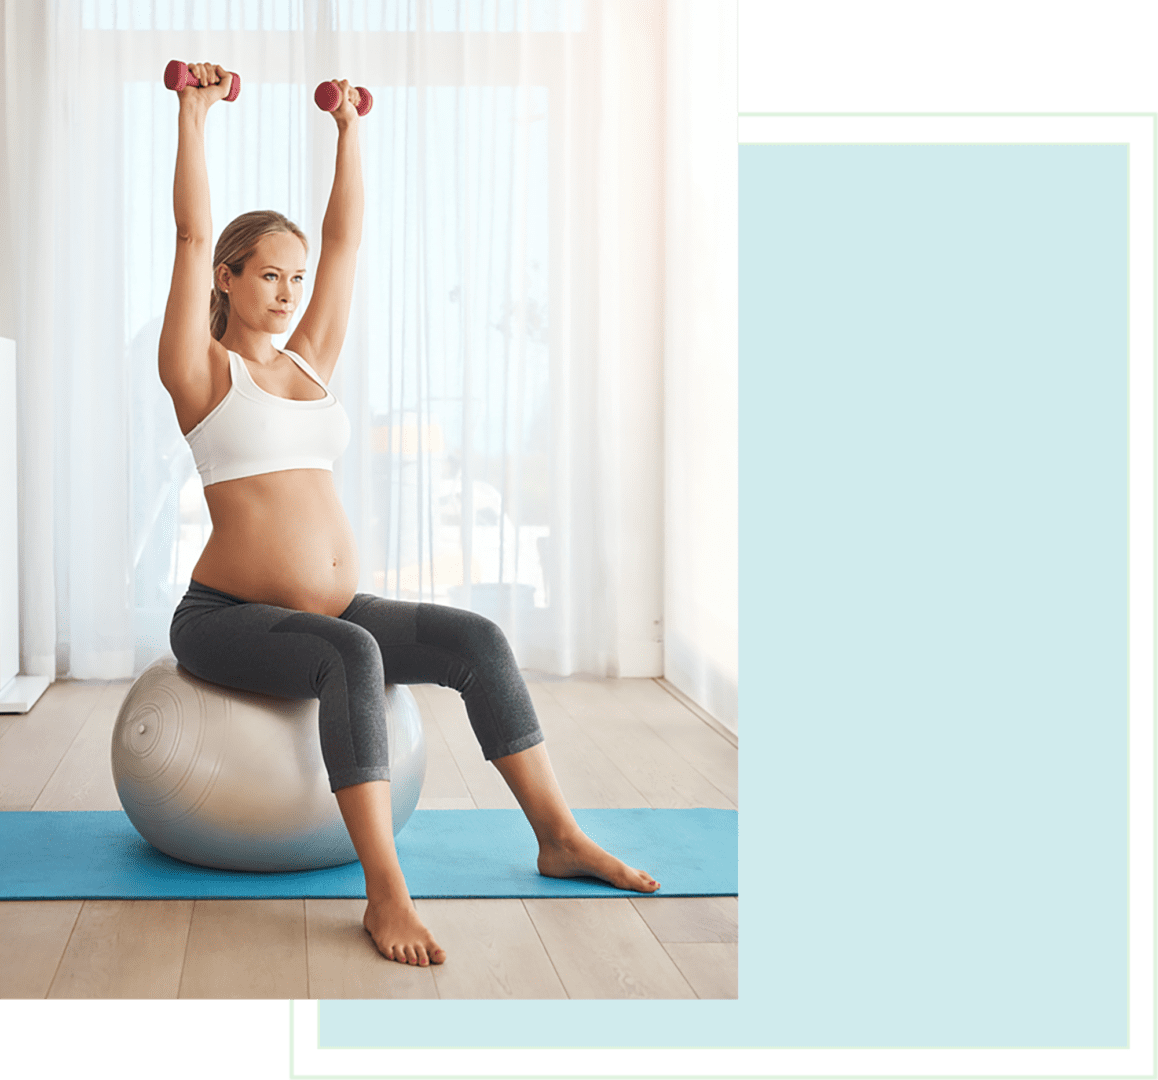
[643, 883]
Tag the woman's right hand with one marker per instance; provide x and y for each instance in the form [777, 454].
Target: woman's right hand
[214, 83]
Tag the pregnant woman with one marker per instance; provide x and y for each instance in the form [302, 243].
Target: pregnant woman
[272, 606]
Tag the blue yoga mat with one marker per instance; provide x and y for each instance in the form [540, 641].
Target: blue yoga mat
[96, 854]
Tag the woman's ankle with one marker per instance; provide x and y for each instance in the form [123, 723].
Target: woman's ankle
[561, 834]
[387, 887]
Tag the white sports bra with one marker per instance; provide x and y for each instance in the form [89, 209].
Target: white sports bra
[252, 431]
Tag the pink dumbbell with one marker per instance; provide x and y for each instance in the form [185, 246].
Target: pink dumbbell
[178, 76]
[328, 97]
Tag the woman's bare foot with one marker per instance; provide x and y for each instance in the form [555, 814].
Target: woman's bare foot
[579, 856]
[565, 851]
[399, 933]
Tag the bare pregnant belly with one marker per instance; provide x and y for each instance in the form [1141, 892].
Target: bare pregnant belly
[281, 538]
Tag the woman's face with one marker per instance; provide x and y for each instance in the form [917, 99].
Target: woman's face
[267, 292]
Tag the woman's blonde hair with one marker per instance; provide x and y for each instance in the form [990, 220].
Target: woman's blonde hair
[237, 242]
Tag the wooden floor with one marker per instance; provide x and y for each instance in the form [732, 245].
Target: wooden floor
[613, 743]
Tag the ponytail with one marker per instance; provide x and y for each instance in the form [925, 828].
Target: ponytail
[218, 313]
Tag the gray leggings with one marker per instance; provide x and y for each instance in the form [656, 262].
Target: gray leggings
[346, 662]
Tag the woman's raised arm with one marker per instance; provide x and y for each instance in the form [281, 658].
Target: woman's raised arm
[319, 335]
[183, 355]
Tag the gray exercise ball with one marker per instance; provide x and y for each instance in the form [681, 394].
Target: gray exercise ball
[235, 780]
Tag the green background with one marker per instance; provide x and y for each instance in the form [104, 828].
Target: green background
[820, 56]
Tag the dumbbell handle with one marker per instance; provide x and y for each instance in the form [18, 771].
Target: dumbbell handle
[328, 97]
[178, 76]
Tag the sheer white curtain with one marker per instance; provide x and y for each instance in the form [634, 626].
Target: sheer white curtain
[503, 369]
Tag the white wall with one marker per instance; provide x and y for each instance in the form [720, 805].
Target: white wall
[700, 358]
[638, 185]
[9, 578]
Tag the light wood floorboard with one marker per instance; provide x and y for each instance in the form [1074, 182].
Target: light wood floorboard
[648, 762]
[246, 949]
[699, 744]
[425, 803]
[496, 950]
[32, 747]
[587, 774]
[124, 949]
[591, 697]
[602, 949]
[33, 936]
[84, 778]
[690, 918]
[710, 967]
[615, 742]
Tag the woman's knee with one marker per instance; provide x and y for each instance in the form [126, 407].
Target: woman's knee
[466, 633]
[349, 684]
[345, 648]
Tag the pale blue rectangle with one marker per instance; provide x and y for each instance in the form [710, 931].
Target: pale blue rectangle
[933, 557]
[933, 618]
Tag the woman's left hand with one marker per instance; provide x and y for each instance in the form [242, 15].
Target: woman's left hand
[347, 110]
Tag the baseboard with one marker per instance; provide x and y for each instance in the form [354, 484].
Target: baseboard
[717, 726]
[22, 692]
